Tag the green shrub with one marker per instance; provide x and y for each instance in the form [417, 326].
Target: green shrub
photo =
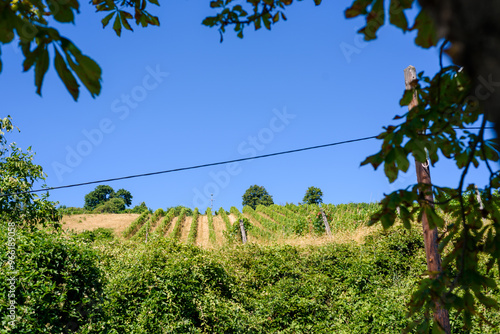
[100, 233]
[114, 205]
[170, 288]
[58, 284]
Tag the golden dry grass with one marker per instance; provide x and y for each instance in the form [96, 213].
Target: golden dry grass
[118, 222]
[356, 236]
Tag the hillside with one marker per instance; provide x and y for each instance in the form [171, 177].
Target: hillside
[290, 224]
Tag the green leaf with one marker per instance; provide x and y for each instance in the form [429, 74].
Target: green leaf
[105, 20]
[87, 70]
[374, 20]
[117, 27]
[257, 23]
[66, 76]
[426, 35]
[317, 2]
[276, 17]
[41, 67]
[358, 7]
[61, 11]
[124, 20]
[391, 171]
[397, 16]
[407, 97]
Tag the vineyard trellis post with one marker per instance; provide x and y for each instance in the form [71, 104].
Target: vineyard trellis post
[243, 233]
[325, 221]
[430, 235]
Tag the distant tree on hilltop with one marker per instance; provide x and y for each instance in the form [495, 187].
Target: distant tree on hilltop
[256, 195]
[313, 196]
[104, 193]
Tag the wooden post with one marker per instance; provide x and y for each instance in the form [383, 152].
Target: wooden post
[430, 236]
[478, 196]
[325, 221]
[243, 233]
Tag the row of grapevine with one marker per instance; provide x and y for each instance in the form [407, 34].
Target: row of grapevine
[211, 228]
[266, 223]
[165, 223]
[251, 229]
[298, 222]
[151, 223]
[136, 224]
[225, 218]
[285, 224]
[193, 230]
[350, 216]
[176, 232]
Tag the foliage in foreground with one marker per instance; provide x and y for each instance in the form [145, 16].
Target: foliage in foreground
[278, 289]
[113, 286]
[57, 286]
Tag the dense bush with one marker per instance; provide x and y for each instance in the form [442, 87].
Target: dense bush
[100, 233]
[114, 205]
[58, 285]
[169, 288]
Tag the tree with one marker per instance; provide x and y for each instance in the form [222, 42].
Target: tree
[98, 196]
[313, 196]
[140, 208]
[18, 174]
[125, 195]
[452, 100]
[257, 195]
[104, 193]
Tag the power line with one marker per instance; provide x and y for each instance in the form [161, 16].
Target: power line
[208, 165]
[193, 167]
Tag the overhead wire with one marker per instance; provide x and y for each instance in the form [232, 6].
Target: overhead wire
[203, 165]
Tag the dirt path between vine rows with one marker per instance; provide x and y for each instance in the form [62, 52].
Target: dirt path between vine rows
[219, 227]
[171, 226]
[202, 238]
[185, 229]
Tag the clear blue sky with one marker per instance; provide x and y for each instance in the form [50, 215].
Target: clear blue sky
[174, 96]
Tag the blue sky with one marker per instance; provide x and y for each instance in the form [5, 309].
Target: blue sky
[174, 96]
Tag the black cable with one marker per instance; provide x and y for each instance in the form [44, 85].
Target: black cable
[206, 165]
[193, 167]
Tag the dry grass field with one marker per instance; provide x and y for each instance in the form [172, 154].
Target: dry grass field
[117, 222]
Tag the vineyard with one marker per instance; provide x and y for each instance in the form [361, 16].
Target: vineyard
[264, 225]
[179, 270]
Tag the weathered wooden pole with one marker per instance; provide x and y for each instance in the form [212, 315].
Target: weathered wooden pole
[325, 221]
[243, 233]
[430, 235]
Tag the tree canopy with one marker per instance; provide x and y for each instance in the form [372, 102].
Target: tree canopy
[103, 194]
[313, 196]
[257, 195]
[18, 175]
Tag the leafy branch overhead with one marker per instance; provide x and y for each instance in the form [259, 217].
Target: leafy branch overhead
[259, 13]
[28, 23]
